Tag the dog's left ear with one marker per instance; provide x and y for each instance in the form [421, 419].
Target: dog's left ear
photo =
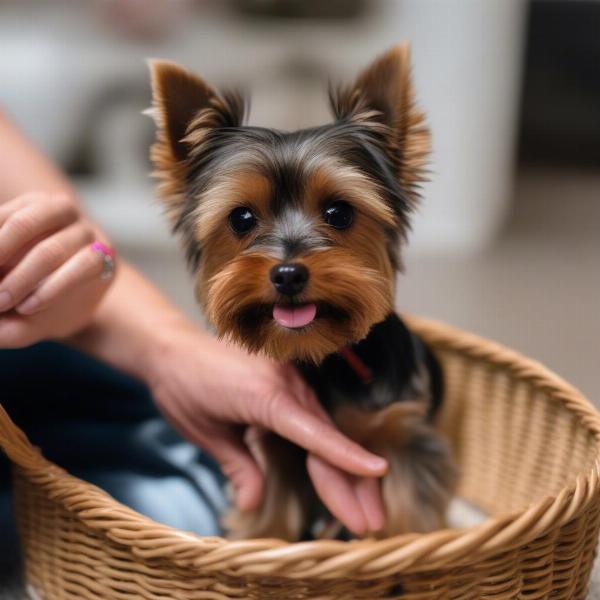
[184, 109]
[383, 94]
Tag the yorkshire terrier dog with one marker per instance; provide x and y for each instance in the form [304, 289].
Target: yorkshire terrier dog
[294, 240]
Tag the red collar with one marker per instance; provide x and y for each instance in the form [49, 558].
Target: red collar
[357, 365]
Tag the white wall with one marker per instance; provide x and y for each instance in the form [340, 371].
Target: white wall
[54, 61]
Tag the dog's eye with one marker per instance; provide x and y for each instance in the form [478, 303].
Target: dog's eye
[242, 219]
[339, 214]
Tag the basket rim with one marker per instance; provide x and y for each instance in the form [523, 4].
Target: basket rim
[150, 541]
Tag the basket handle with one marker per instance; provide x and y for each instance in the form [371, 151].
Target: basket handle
[15, 444]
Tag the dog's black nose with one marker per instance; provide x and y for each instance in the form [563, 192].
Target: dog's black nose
[289, 278]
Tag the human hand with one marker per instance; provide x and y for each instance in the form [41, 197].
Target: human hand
[50, 279]
[211, 392]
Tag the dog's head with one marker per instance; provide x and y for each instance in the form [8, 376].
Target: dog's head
[294, 238]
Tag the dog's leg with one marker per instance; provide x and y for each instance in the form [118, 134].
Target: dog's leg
[420, 483]
[421, 477]
[283, 511]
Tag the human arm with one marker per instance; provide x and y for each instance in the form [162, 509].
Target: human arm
[209, 391]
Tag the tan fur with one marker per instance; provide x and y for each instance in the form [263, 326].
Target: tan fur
[340, 277]
[421, 476]
[335, 180]
[356, 275]
[212, 228]
[416, 489]
[370, 244]
[243, 188]
[283, 512]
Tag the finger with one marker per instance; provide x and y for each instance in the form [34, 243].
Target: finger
[226, 446]
[40, 262]
[368, 492]
[15, 332]
[336, 492]
[308, 400]
[303, 393]
[319, 436]
[238, 464]
[32, 220]
[10, 207]
[84, 266]
[312, 403]
[366, 489]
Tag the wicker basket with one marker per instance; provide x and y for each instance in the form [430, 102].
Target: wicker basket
[527, 444]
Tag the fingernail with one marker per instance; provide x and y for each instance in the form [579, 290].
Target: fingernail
[29, 306]
[5, 300]
[378, 464]
[376, 520]
[241, 499]
[360, 525]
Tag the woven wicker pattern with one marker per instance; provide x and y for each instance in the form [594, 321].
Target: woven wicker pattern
[527, 445]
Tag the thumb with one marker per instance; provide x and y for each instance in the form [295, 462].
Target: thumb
[238, 464]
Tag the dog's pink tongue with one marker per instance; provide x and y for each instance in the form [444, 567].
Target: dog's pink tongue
[294, 316]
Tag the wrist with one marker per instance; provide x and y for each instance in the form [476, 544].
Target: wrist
[165, 341]
[136, 329]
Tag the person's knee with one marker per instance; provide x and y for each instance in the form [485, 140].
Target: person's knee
[9, 541]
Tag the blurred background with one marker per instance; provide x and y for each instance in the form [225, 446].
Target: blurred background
[507, 243]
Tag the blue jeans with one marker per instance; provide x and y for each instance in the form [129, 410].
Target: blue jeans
[102, 426]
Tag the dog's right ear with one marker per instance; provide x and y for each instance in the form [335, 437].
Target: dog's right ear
[184, 109]
[177, 97]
